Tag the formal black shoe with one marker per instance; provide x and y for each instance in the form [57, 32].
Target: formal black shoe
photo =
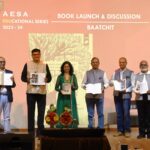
[140, 136]
[32, 133]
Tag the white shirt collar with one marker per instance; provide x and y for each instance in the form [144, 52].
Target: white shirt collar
[148, 72]
[123, 70]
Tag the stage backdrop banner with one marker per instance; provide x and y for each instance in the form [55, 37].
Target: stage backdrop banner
[73, 30]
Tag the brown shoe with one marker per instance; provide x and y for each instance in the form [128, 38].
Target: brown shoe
[140, 136]
[127, 134]
[118, 134]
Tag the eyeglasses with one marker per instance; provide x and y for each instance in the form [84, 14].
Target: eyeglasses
[95, 62]
[2, 61]
[35, 54]
[143, 65]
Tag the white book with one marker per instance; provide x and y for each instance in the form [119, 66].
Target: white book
[94, 88]
[1, 78]
[119, 85]
[141, 87]
[5, 79]
[37, 78]
[66, 89]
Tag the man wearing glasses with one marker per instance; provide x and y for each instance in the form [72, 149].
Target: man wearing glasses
[36, 93]
[142, 90]
[94, 82]
[6, 96]
[122, 97]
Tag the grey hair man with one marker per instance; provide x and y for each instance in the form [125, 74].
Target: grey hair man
[6, 95]
[142, 90]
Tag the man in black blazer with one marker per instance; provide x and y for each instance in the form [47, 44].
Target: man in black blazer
[6, 95]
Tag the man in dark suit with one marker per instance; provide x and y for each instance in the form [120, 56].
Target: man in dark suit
[6, 96]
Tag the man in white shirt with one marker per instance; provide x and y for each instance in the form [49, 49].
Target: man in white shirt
[122, 97]
[6, 96]
[97, 79]
[142, 90]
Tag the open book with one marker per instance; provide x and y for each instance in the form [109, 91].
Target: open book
[94, 88]
[141, 87]
[119, 85]
[37, 78]
[5, 79]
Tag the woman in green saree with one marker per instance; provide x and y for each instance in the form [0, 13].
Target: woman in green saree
[66, 85]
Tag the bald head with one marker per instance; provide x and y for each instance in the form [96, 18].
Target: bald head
[122, 63]
[95, 63]
[143, 66]
[2, 63]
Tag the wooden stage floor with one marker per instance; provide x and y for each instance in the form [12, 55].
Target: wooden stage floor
[115, 142]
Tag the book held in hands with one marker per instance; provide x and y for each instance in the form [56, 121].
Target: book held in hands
[141, 87]
[94, 88]
[37, 78]
[119, 85]
[66, 89]
[5, 79]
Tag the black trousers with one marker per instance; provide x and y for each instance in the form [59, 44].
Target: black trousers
[32, 99]
[143, 107]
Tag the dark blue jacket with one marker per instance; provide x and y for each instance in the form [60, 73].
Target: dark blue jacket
[9, 90]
